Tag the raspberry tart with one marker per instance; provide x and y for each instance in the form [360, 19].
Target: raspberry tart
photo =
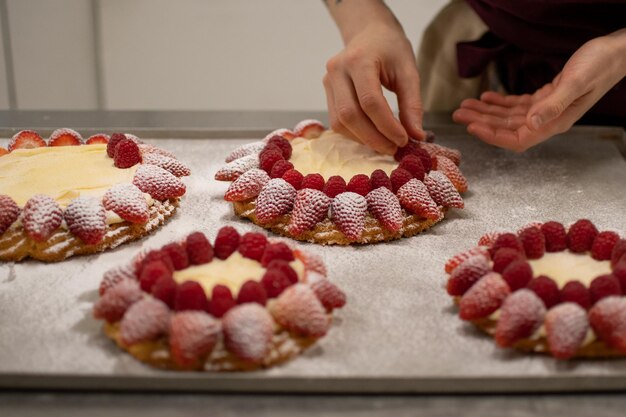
[546, 289]
[67, 196]
[239, 304]
[315, 185]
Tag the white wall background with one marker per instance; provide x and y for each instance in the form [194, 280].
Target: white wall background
[182, 55]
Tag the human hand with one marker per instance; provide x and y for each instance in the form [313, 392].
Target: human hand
[378, 55]
[518, 122]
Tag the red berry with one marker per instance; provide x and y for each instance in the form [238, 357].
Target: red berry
[281, 143]
[309, 128]
[546, 289]
[520, 315]
[555, 235]
[199, 249]
[300, 311]
[414, 196]
[170, 164]
[504, 256]
[619, 250]
[534, 242]
[274, 200]
[115, 275]
[268, 158]
[619, 271]
[459, 258]
[608, 320]
[507, 240]
[410, 148]
[425, 158]
[442, 190]
[41, 216]
[248, 331]
[280, 167]
[466, 274]
[294, 177]
[3, 151]
[329, 294]
[113, 141]
[26, 139]
[484, 297]
[126, 154]
[454, 174]
[359, 184]
[157, 255]
[252, 245]
[9, 212]
[114, 303]
[566, 328]
[226, 242]
[604, 286]
[348, 211]
[144, 321]
[252, 292]
[576, 292]
[379, 178]
[151, 273]
[488, 239]
[192, 336]
[128, 202]
[247, 186]
[399, 177]
[309, 208]
[285, 268]
[221, 301]
[85, 217]
[190, 296]
[335, 186]
[165, 290]
[581, 235]
[518, 274]
[314, 181]
[158, 182]
[99, 138]
[178, 255]
[385, 207]
[275, 282]
[278, 250]
[603, 245]
[65, 137]
[413, 164]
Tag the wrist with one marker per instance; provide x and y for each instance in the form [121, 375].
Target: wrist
[354, 16]
[617, 40]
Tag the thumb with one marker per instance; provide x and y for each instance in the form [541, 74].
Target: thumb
[553, 104]
[410, 105]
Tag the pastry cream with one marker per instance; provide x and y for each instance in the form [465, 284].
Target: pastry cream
[62, 172]
[567, 266]
[334, 154]
[232, 272]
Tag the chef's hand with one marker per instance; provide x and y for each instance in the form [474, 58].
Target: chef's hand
[377, 53]
[520, 122]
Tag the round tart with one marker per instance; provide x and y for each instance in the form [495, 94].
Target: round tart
[68, 197]
[239, 304]
[315, 185]
[546, 289]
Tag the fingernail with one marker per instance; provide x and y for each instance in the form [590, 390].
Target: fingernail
[536, 121]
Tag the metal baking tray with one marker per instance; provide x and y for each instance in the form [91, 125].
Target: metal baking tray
[399, 331]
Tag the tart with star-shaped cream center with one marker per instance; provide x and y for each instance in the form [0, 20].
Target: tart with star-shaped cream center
[239, 304]
[316, 185]
[68, 197]
[546, 289]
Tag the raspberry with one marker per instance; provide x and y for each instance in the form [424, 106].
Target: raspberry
[459, 258]
[546, 289]
[619, 271]
[555, 235]
[247, 186]
[425, 158]
[280, 167]
[226, 242]
[278, 250]
[335, 186]
[604, 286]
[192, 336]
[442, 190]
[466, 274]
[248, 330]
[164, 289]
[348, 213]
[619, 250]
[252, 292]
[282, 144]
[144, 321]
[268, 158]
[275, 282]
[65, 137]
[252, 245]
[385, 207]
[504, 256]
[26, 139]
[199, 249]
[379, 178]
[398, 178]
[534, 242]
[507, 240]
[329, 294]
[190, 296]
[157, 255]
[298, 310]
[451, 171]
[581, 235]
[413, 164]
[41, 216]
[126, 154]
[159, 183]
[221, 301]
[151, 273]
[284, 267]
[294, 177]
[128, 202]
[530, 225]
[309, 128]
[233, 170]
[314, 181]
[566, 328]
[603, 245]
[274, 200]
[520, 315]
[410, 148]
[86, 218]
[518, 274]
[608, 320]
[113, 141]
[576, 292]
[484, 297]
[178, 255]
[114, 303]
[309, 208]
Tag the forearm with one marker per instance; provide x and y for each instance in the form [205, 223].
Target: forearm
[617, 41]
[351, 16]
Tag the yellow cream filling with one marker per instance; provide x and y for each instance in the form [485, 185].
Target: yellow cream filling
[62, 172]
[334, 154]
[232, 272]
[567, 266]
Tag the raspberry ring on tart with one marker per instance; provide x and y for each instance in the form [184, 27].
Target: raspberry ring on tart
[67, 196]
[546, 289]
[243, 303]
[315, 185]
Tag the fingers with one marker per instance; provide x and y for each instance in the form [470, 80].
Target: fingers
[410, 103]
[553, 103]
[468, 116]
[493, 109]
[491, 97]
[515, 140]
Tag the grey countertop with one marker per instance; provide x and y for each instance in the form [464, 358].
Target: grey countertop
[197, 124]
